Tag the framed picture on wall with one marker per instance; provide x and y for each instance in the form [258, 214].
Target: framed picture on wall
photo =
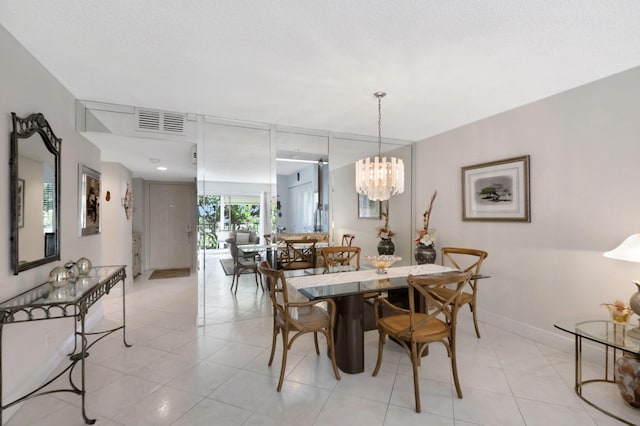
[89, 196]
[368, 209]
[497, 191]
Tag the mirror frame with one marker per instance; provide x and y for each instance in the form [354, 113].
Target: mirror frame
[24, 128]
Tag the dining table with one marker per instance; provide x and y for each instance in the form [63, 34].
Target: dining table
[347, 289]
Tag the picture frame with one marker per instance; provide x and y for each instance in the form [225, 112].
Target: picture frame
[368, 209]
[20, 203]
[89, 199]
[497, 191]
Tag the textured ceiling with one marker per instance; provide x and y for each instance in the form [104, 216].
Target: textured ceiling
[315, 64]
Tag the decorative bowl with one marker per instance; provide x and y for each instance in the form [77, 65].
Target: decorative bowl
[72, 270]
[382, 262]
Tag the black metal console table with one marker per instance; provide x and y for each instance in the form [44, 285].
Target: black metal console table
[73, 300]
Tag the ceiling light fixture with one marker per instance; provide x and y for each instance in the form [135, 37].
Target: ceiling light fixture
[161, 168]
[298, 160]
[378, 177]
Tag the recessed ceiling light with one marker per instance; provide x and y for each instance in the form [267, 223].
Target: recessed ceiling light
[163, 168]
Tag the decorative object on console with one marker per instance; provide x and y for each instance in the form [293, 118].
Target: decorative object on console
[620, 312]
[425, 251]
[629, 250]
[58, 276]
[72, 270]
[627, 375]
[84, 266]
[385, 245]
[379, 178]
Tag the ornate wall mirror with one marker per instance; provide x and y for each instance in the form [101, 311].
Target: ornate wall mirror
[35, 192]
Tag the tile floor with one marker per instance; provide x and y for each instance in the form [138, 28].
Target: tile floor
[177, 373]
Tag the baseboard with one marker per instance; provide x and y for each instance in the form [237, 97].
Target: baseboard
[558, 340]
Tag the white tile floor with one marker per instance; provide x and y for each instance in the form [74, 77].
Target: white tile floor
[179, 374]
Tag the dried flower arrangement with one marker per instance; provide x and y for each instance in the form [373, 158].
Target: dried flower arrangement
[619, 311]
[426, 236]
[384, 231]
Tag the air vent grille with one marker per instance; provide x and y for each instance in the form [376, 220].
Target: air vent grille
[160, 121]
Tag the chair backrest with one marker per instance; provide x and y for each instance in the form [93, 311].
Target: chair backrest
[233, 249]
[347, 239]
[341, 256]
[464, 259]
[267, 239]
[277, 285]
[424, 285]
[302, 251]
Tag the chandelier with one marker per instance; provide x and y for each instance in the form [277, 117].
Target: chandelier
[378, 177]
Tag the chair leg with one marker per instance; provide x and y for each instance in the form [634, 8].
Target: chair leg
[234, 282]
[454, 367]
[381, 339]
[273, 342]
[475, 319]
[285, 350]
[416, 379]
[315, 340]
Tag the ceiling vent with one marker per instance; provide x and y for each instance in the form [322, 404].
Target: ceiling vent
[150, 120]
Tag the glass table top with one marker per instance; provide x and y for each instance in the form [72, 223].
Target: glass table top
[603, 331]
[71, 292]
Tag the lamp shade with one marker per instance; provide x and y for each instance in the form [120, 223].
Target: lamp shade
[629, 250]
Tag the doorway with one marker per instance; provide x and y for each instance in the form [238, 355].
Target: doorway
[171, 225]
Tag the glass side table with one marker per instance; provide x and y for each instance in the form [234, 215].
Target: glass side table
[614, 337]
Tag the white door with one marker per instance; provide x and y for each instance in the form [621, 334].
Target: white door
[171, 225]
[301, 210]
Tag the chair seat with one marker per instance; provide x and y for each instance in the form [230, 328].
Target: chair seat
[306, 318]
[298, 265]
[432, 330]
[446, 293]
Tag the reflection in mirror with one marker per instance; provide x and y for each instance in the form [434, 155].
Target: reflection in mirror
[302, 182]
[344, 152]
[35, 193]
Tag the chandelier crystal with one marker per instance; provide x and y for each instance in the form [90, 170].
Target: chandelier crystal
[379, 177]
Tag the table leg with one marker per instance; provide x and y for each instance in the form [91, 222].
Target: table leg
[83, 356]
[349, 333]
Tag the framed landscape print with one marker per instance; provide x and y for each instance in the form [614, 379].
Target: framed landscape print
[497, 191]
[368, 209]
[89, 196]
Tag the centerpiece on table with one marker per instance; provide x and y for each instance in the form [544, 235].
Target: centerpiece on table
[425, 251]
[385, 245]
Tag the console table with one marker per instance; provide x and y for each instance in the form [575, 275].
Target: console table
[72, 300]
[609, 334]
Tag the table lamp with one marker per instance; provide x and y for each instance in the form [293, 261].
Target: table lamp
[629, 250]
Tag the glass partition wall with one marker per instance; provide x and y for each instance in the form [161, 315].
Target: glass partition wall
[304, 181]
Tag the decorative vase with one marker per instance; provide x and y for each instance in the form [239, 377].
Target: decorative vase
[386, 246]
[424, 254]
[628, 378]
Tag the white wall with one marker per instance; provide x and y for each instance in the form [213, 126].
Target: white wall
[584, 147]
[31, 350]
[116, 228]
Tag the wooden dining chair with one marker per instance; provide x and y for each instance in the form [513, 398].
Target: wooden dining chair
[243, 262]
[298, 254]
[340, 256]
[464, 259]
[299, 317]
[415, 330]
[347, 239]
